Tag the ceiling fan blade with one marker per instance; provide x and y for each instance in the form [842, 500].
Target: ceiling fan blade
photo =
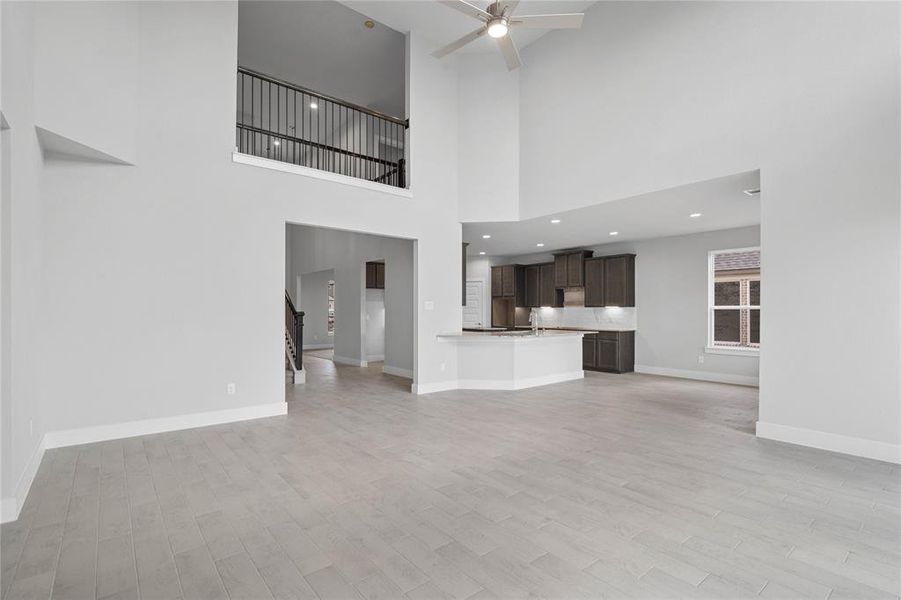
[570, 21]
[469, 37]
[467, 9]
[508, 49]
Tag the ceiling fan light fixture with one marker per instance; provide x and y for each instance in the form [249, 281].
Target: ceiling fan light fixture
[497, 28]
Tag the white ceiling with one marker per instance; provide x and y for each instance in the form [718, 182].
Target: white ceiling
[442, 25]
[721, 202]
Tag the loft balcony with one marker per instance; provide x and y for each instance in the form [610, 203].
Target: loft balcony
[283, 121]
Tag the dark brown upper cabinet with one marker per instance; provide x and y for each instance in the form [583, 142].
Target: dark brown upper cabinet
[594, 282]
[508, 290]
[610, 280]
[548, 295]
[569, 268]
[375, 275]
[507, 281]
[560, 270]
[497, 282]
[540, 288]
[619, 280]
[508, 284]
[533, 285]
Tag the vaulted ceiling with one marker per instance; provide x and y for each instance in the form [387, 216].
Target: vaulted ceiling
[441, 25]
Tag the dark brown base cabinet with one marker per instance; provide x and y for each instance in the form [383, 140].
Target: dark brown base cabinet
[610, 351]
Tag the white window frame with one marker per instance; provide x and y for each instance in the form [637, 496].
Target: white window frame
[711, 277]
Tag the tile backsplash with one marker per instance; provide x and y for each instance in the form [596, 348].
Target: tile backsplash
[582, 317]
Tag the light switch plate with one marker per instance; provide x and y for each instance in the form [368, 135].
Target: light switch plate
[429, 305]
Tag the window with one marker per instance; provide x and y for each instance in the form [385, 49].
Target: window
[734, 300]
[331, 307]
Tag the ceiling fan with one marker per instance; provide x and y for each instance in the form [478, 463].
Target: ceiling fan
[497, 20]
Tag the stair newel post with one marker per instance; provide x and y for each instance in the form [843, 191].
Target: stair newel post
[298, 337]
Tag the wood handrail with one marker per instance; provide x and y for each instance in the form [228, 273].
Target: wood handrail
[291, 304]
[321, 146]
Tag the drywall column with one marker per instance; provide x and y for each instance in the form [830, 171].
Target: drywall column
[21, 273]
[349, 288]
[399, 307]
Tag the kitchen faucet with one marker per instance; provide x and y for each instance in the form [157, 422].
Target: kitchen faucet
[534, 320]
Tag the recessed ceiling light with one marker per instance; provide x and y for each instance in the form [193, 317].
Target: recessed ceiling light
[751, 192]
[540, 244]
[694, 215]
[486, 236]
[555, 221]
[482, 253]
[614, 233]
[313, 105]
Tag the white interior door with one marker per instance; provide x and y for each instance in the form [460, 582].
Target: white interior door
[474, 311]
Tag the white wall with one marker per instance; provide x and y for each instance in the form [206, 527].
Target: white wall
[313, 249]
[653, 95]
[314, 303]
[167, 276]
[671, 304]
[21, 270]
[94, 81]
[488, 101]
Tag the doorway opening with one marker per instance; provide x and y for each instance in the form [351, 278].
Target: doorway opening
[355, 291]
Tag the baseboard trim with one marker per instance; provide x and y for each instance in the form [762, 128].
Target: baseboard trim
[518, 384]
[390, 370]
[376, 358]
[102, 433]
[318, 346]
[699, 375]
[430, 388]
[10, 507]
[495, 384]
[830, 441]
[354, 362]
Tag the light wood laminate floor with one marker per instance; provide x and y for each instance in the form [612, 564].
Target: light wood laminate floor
[614, 486]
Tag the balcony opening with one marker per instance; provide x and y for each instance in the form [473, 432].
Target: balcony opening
[322, 86]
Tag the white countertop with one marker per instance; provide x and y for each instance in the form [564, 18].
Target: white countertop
[508, 336]
[581, 330]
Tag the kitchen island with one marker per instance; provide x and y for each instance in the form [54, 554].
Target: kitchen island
[514, 360]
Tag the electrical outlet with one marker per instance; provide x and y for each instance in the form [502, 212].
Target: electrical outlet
[231, 389]
[429, 305]
[700, 359]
